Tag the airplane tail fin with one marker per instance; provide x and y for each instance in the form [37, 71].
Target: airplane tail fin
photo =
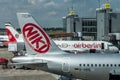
[36, 40]
[13, 35]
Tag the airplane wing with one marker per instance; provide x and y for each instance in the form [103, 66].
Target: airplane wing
[28, 63]
[33, 66]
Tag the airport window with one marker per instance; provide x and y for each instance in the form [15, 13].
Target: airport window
[76, 69]
[94, 23]
[89, 23]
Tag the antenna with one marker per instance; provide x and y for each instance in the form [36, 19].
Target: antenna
[99, 3]
[72, 7]
[72, 11]
[108, 1]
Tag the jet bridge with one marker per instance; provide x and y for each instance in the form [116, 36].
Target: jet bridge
[115, 39]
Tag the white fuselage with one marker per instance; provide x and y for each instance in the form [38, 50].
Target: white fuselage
[87, 46]
[3, 38]
[81, 46]
[82, 66]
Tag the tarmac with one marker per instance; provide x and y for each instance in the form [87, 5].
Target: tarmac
[25, 75]
[13, 74]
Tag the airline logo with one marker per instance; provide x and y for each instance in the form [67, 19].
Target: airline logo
[10, 36]
[88, 45]
[36, 38]
[81, 45]
[63, 45]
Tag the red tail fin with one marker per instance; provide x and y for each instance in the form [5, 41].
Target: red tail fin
[10, 36]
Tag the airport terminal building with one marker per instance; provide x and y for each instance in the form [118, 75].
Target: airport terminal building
[97, 28]
[104, 24]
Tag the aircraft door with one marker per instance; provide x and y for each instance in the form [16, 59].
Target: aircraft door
[103, 46]
[66, 65]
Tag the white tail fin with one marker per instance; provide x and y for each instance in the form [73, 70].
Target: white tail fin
[36, 40]
[13, 35]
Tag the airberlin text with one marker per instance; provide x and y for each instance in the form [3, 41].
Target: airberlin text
[87, 45]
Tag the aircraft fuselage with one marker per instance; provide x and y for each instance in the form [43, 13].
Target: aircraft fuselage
[83, 66]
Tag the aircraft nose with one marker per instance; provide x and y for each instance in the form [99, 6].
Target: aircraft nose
[115, 49]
